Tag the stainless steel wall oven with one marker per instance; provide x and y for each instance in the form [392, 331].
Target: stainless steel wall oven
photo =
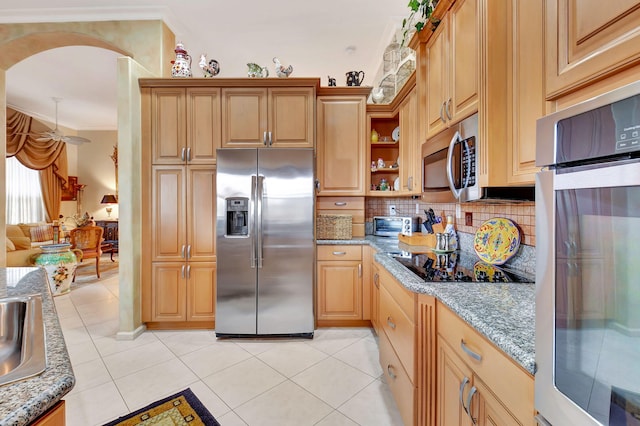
[588, 265]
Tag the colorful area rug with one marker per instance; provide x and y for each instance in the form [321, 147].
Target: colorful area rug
[182, 408]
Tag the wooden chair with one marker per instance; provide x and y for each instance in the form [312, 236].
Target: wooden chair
[88, 239]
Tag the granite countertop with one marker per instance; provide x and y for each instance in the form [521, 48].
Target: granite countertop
[502, 312]
[23, 401]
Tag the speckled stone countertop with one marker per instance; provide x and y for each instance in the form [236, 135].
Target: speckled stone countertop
[23, 401]
[503, 312]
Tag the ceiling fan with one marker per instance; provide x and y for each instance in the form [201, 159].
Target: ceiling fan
[57, 136]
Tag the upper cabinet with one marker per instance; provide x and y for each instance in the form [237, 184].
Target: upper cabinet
[341, 125]
[256, 117]
[186, 125]
[588, 40]
[452, 68]
[394, 148]
[486, 57]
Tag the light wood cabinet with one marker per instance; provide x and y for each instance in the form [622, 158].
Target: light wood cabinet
[402, 158]
[476, 380]
[183, 291]
[182, 245]
[426, 356]
[586, 42]
[353, 206]
[375, 297]
[339, 284]
[259, 117]
[54, 417]
[410, 159]
[183, 213]
[397, 313]
[452, 65]
[181, 130]
[341, 155]
[398, 380]
[186, 125]
[527, 100]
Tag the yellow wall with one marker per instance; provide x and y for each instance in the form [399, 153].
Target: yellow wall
[147, 47]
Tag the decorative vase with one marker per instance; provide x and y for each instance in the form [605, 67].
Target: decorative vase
[60, 263]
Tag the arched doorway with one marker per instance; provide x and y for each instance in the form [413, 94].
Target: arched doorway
[145, 46]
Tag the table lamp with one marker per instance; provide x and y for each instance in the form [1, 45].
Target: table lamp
[109, 199]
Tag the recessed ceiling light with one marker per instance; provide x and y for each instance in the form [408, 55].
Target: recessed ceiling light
[350, 50]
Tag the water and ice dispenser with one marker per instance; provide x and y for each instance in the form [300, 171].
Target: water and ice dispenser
[237, 216]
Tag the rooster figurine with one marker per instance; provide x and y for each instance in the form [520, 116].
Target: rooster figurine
[209, 69]
[281, 70]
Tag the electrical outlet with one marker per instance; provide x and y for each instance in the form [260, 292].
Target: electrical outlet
[392, 210]
[468, 218]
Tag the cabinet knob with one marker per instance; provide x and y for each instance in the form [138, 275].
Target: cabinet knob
[390, 322]
[390, 371]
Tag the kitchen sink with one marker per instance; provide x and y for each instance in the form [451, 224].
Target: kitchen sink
[22, 349]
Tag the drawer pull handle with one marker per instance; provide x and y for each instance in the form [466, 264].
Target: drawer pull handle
[469, 352]
[376, 279]
[340, 203]
[391, 323]
[468, 410]
[339, 253]
[390, 371]
[463, 385]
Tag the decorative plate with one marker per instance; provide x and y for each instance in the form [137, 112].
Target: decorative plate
[497, 240]
[396, 134]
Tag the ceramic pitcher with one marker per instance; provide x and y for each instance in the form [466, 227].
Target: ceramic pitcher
[182, 64]
[355, 78]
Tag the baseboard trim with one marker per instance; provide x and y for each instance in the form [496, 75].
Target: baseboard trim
[131, 335]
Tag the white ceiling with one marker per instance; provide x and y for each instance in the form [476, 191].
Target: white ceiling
[318, 38]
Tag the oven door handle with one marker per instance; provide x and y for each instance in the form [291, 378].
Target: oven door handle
[455, 139]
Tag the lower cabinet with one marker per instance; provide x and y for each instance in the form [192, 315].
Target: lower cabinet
[476, 383]
[339, 285]
[183, 292]
[54, 417]
[397, 337]
[375, 297]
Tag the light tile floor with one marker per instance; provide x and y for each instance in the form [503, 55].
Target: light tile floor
[334, 379]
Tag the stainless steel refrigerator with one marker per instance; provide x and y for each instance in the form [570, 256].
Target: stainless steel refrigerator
[265, 242]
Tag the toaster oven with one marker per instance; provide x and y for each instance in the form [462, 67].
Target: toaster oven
[391, 226]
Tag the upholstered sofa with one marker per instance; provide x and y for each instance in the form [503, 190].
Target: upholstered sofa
[23, 241]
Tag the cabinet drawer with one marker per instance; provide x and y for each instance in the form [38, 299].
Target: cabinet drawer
[398, 380]
[508, 381]
[341, 252]
[403, 297]
[340, 203]
[400, 329]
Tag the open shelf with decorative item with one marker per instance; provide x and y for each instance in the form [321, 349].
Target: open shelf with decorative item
[384, 151]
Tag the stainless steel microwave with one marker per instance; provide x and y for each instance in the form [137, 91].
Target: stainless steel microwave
[391, 226]
[450, 165]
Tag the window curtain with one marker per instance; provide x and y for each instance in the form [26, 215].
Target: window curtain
[24, 196]
[48, 156]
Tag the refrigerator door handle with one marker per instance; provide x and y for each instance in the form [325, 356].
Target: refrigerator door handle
[259, 205]
[252, 221]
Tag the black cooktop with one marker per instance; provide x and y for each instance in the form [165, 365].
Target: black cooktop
[456, 266]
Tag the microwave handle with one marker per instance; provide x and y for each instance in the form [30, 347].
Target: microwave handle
[454, 140]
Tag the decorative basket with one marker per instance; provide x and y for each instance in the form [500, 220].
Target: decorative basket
[333, 227]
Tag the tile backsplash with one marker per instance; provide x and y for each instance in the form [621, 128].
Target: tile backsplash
[523, 214]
